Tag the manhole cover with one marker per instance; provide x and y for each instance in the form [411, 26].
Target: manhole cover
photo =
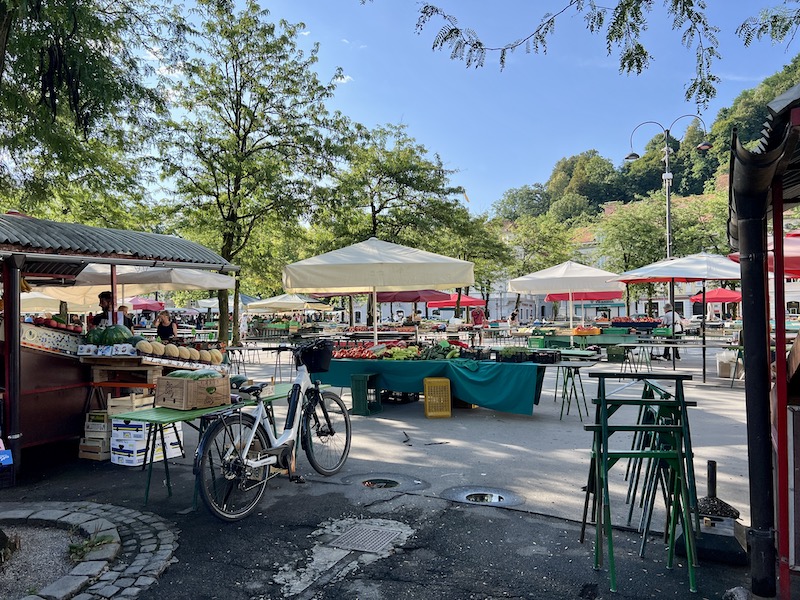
[365, 539]
[481, 495]
[396, 482]
[380, 483]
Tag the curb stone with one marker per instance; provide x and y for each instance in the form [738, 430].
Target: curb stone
[141, 547]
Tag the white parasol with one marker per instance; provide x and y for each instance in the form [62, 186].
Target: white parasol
[377, 266]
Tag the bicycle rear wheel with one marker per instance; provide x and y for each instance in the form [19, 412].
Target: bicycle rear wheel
[326, 433]
[229, 488]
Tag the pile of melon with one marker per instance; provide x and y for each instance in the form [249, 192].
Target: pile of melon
[212, 356]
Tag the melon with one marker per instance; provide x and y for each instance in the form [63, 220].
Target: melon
[135, 339]
[144, 347]
[183, 352]
[205, 356]
[158, 348]
[194, 354]
[95, 336]
[171, 350]
[216, 356]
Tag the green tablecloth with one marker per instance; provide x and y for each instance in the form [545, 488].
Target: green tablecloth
[506, 387]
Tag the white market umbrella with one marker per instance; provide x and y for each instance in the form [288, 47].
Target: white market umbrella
[287, 302]
[136, 281]
[377, 266]
[569, 277]
[695, 267]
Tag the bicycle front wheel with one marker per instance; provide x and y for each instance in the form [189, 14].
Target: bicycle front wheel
[230, 488]
[326, 433]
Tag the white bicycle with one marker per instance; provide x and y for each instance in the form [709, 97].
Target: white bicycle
[238, 450]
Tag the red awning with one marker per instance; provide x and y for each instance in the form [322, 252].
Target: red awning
[465, 301]
[584, 296]
[718, 295]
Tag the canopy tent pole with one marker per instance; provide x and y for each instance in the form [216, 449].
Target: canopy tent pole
[703, 331]
[375, 314]
[571, 340]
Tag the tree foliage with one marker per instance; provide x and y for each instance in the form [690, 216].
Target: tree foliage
[391, 189]
[76, 96]
[250, 134]
[532, 200]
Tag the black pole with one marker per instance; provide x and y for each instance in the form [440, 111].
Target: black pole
[11, 288]
[755, 339]
[703, 330]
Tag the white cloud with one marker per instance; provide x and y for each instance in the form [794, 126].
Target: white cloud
[344, 79]
[362, 46]
[306, 32]
[742, 78]
[345, 41]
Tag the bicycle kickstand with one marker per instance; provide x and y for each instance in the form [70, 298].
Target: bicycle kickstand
[293, 476]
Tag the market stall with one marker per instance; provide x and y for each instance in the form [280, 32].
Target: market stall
[51, 255]
[505, 387]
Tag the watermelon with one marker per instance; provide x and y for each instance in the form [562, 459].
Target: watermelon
[135, 339]
[95, 336]
[182, 374]
[116, 334]
[205, 374]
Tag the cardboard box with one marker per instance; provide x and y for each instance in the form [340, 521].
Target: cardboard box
[95, 448]
[129, 453]
[97, 421]
[186, 394]
[124, 429]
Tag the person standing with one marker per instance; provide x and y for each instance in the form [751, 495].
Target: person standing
[478, 322]
[126, 320]
[166, 328]
[671, 319]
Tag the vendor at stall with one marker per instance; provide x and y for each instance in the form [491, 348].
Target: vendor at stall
[166, 328]
[103, 318]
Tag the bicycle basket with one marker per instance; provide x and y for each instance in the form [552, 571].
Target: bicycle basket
[316, 358]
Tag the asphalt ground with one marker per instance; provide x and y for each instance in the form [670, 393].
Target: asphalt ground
[523, 544]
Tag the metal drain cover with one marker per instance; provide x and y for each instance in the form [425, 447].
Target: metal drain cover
[485, 496]
[365, 539]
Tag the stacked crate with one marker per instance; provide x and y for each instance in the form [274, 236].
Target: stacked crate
[129, 442]
[96, 441]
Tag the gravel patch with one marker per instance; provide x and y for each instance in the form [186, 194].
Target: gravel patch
[42, 558]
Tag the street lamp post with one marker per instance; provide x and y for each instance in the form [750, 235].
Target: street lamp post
[666, 177]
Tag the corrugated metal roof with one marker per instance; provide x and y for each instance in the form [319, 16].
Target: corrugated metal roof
[65, 248]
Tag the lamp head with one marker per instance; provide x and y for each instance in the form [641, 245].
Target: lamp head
[704, 146]
[632, 156]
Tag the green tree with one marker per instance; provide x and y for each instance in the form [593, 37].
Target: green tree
[76, 97]
[570, 208]
[390, 189]
[540, 242]
[532, 200]
[250, 133]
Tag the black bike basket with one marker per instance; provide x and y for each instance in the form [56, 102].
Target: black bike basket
[316, 358]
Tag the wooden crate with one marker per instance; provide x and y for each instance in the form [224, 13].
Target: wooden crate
[128, 403]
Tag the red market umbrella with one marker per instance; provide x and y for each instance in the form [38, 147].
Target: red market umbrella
[791, 255]
[718, 295]
[414, 296]
[465, 301]
[583, 296]
[137, 303]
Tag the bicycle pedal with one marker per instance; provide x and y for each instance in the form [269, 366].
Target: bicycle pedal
[297, 479]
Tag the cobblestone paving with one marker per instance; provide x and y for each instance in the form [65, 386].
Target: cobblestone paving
[139, 547]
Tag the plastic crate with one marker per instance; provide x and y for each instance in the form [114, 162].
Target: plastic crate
[536, 342]
[616, 330]
[665, 331]
[437, 397]
[615, 354]
[366, 396]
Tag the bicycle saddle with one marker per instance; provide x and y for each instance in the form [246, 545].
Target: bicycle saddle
[253, 389]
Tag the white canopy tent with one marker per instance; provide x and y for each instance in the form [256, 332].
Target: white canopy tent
[286, 302]
[569, 277]
[377, 266]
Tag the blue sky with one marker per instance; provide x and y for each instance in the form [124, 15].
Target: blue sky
[504, 129]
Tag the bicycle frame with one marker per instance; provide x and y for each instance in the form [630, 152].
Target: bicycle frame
[288, 439]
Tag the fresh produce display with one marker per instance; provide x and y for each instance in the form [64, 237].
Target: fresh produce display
[194, 354]
[360, 352]
[158, 348]
[171, 351]
[57, 322]
[635, 320]
[205, 356]
[183, 353]
[216, 356]
[580, 330]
